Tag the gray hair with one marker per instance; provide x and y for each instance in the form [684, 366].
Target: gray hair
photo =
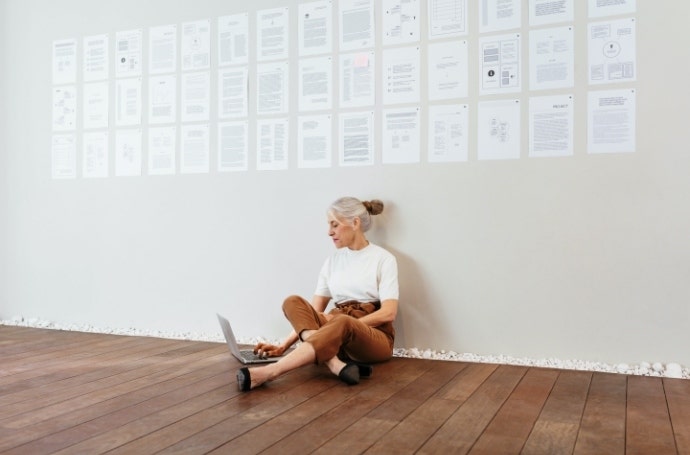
[346, 209]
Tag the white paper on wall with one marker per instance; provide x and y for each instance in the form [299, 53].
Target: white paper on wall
[447, 18]
[232, 92]
[495, 15]
[128, 101]
[64, 108]
[400, 131]
[498, 130]
[233, 146]
[315, 28]
[611, 121]
[272, 88]
[357, 79]
[272, 144]
[447, 72]
[163, 49]
[64, 156]
[95, 105]
[314, 139]
[96, 58]
[400, 75]
[600, 8]
[356, 24]
[163, 99]
[65, 61]
[194, 149]
[551, 58]
[161, 150]
[233, 39]
[272, 29]
[128, 153]
[196, 96]
[550, 11]
[196, 45]
[95, 155]
[315, 83]
[356, 132]
[400, 21]
[448, 133]
[612, 54]
[500, 64]
[551, 126]
[128, 53]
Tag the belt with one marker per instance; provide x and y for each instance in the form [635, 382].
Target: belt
[349, 303]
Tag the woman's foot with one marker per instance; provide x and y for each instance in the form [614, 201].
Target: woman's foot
[250, 379]
[349, 374]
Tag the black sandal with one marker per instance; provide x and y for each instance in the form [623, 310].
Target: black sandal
[244, 380]
[350, 374]
[365, 371]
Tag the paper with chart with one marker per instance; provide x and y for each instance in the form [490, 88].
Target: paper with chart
[356, 24]
[194, 149]
[163, 49]
[495, 15]
[400, 141]
[356, 133]
[272, 88]
[272, 34]
[500, 64]
[551, 58]
[233, 39]
[196, 45]
[550, 11]
[551, 126]
[400, 21]
[232, 92]
[196, 96]
[95, 155]
[233, 146]
[612, 55]
[128, 153]
[64, 108]
[65, 61]
[498, 130]
[95, 105]
[448, 133]
[400, 75]
[128, 53]
[357, 83]
[272, 144]
[314, 139]
[447, 18]
[161, 150]
[96, 58]
[64, 156]
[315, 28]
[611, 121]
[447, 72]
[163, 99]
[315, 83]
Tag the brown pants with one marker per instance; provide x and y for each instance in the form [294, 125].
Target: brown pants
[343, 335]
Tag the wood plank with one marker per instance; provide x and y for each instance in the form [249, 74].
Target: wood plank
[648, 422]
[555, 431]
[602, 430]
[476, 413]
[513, 423]
[678, 399]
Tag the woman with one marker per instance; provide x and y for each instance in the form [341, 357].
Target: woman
[362, 280]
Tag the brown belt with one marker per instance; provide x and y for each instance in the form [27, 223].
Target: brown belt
[350, 303]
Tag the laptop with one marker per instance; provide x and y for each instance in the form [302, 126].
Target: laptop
[245, 356]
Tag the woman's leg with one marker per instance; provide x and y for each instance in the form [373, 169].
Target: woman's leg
[300, 356]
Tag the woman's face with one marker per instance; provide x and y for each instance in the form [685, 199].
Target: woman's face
[342, 234]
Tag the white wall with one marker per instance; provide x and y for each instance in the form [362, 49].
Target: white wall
[582, 257]
[4, 150]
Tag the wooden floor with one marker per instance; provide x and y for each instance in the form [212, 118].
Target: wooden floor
[79, 393]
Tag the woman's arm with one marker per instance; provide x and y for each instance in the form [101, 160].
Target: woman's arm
[387, 313]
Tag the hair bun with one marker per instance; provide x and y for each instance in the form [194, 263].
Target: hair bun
[374, 207]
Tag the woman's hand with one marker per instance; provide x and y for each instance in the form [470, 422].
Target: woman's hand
[268, 350]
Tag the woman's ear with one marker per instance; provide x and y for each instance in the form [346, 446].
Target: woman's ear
[356, 223]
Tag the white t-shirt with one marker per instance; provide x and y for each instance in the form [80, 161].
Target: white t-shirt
[366, 275]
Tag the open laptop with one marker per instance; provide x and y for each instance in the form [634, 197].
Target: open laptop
[245, 356]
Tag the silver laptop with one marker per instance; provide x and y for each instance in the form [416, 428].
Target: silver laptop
[245, 356]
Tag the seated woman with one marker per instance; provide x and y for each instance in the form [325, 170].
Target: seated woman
[362, 280]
